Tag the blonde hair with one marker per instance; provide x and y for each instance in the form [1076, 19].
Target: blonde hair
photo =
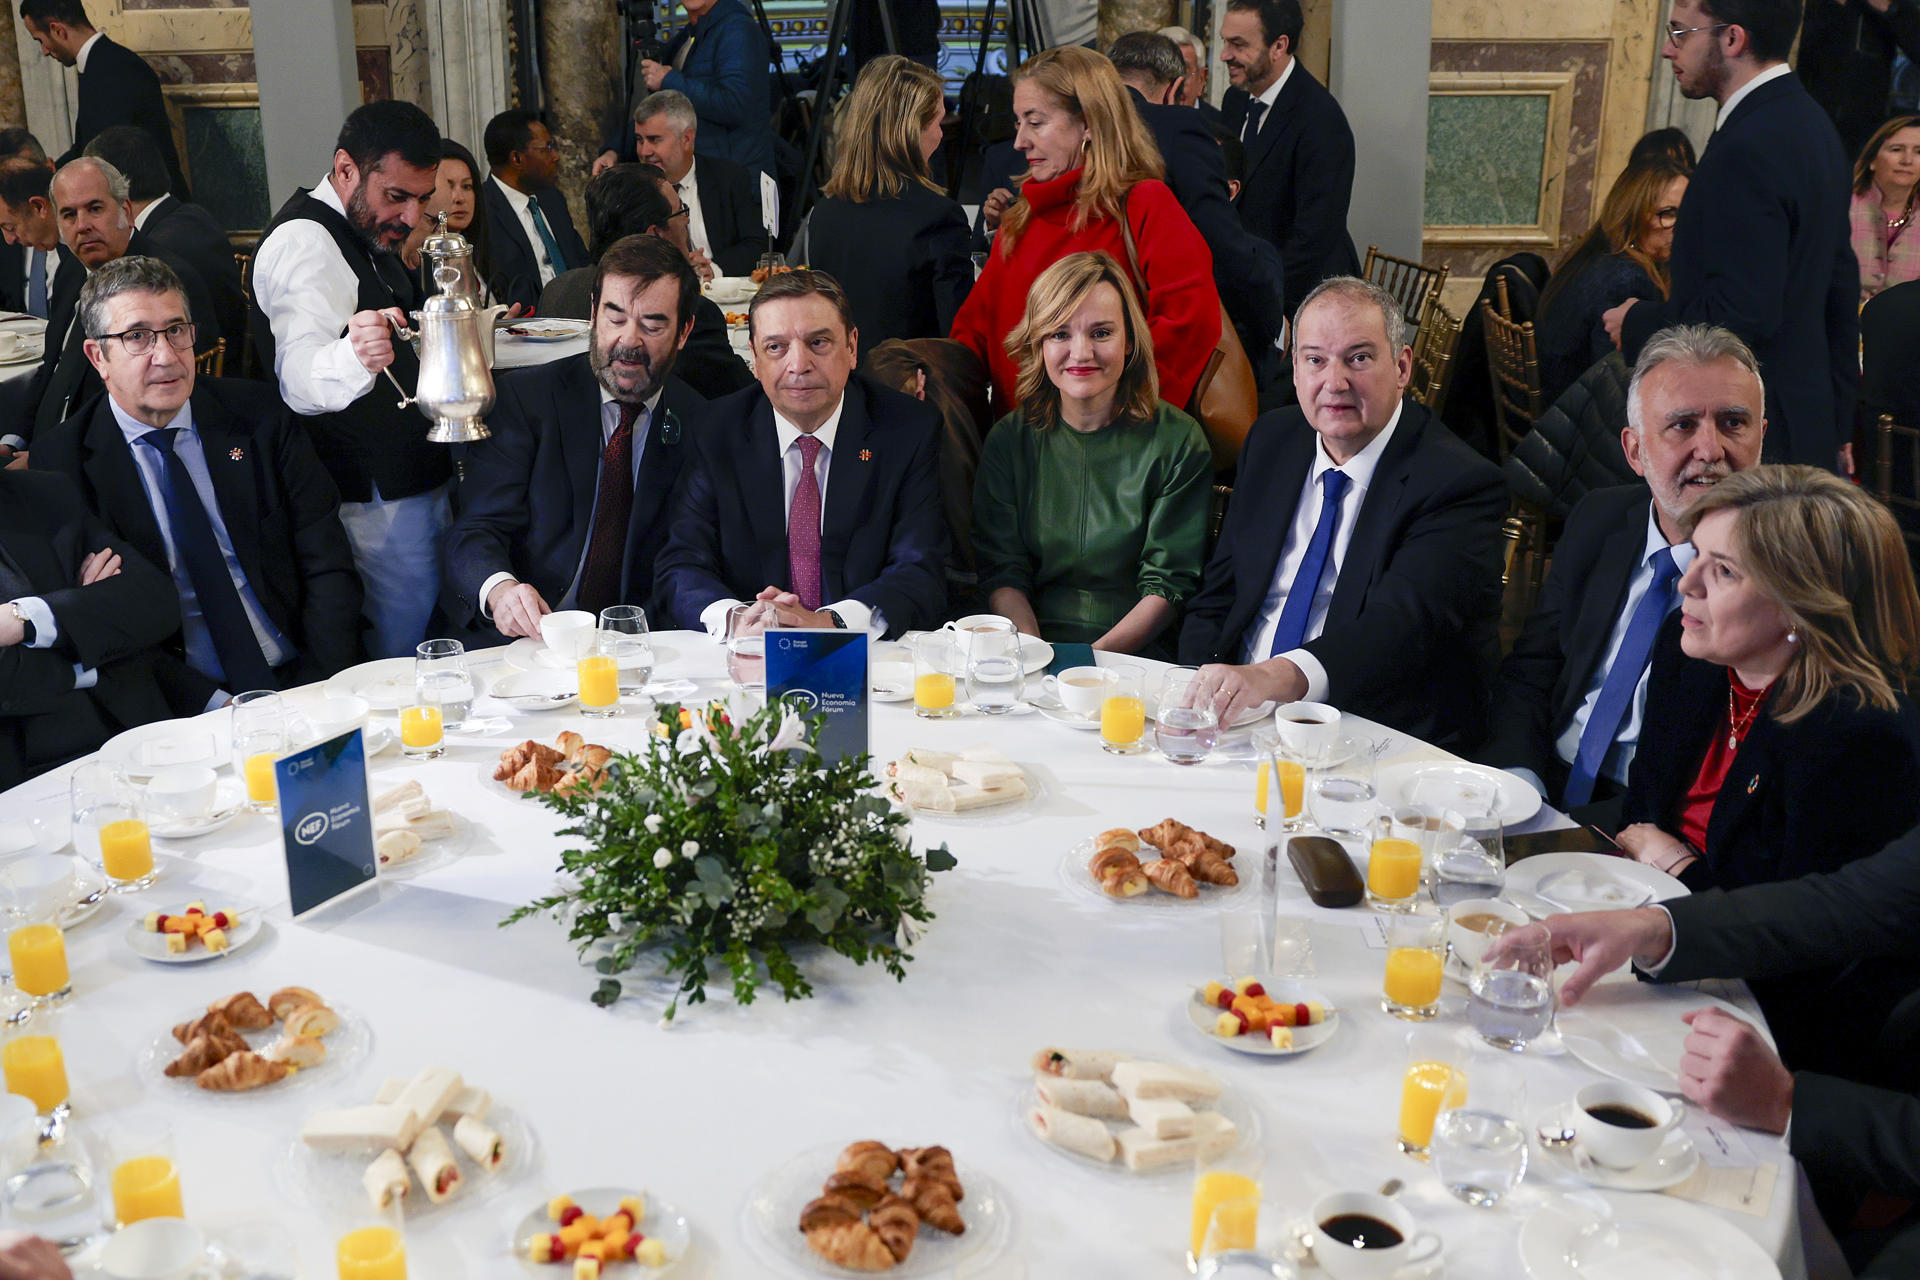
[1060, 291]
[876, 148]
[1120, 151]
[1832, 560]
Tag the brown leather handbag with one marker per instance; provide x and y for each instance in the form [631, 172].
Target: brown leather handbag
[1225, 400]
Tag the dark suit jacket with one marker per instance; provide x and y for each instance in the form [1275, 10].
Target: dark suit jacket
[1246, 269]
[188, 233]
[119, 87]
[1890, 354]
[112, 625]
[281, 510]
[904, 262]
[516, 261]
[526, 502]
[1409, 637]
[730, 211]
[1299, 180]
[1763, 247]
[883, 536]
[1546, 674]
[1846, 60]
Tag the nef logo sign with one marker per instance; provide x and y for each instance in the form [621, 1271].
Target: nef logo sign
[312, 827]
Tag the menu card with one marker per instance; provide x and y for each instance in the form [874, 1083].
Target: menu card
[824, 671]
[326, 821]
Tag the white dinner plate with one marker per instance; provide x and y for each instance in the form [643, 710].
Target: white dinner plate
[1203, 1016]
[1550, 883]
[347, 1047]
[1631, 1030]
[26, 353]
[533, 690]
[1518, 800]
[1003, 814]
[1232, 1104]
[663, 1222]
[333, 1177]
[546, 329]
[386, 684]
[529, 654]
[153, 946]
[1651, 1236]
[772, 1217]
[1073, 870]
[143, 751]
[229, 802]
[1672, 1164]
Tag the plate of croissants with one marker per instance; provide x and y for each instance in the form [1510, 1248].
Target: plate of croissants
[1167, 866]
[870, 1207]
[570, 764]
[241, 1044]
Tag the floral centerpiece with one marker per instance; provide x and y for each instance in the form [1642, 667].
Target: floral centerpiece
[731, 844]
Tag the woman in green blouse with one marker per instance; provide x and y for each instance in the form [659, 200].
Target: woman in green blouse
[1090, 505]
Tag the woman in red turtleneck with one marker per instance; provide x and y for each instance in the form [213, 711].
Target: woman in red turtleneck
[1090, 158]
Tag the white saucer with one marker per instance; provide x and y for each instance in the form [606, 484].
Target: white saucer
[1672, 1164]
[230, 801]
[534, 690]
[1060, 715]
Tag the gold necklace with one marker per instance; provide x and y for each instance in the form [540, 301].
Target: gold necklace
[1739, 722]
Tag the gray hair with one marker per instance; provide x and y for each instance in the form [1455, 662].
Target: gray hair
[1148, 54]
[132, 274]
[671, 103]
[1694, 345]
[117, 184]
[1182, 36]
[1354, 289]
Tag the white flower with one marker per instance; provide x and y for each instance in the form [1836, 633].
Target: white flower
[690, 848]
[661, 857]
[792, 733]
[689, 741]
[652, 824]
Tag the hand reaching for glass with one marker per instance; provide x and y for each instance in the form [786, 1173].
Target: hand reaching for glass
[1598, 941]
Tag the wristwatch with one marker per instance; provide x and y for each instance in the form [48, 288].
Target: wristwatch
[838, 621]
[27, 636]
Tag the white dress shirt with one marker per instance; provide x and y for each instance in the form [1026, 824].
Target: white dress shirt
[1740, 95]
[46, 631]
[522, 204]
[140, 218]
[1359, 470]
[308, 290]
[86, 50]
[609, 423]
[696, 218]
[1269, 97]
[857, 616]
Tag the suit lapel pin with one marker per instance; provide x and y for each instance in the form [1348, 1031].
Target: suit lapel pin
[866, 455]
[236, 454]
[669, 428]
[1753, 784]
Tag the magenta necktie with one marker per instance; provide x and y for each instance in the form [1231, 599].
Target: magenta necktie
[803, 528]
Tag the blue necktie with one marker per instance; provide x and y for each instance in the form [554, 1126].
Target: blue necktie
[37, 282]
[1616, 695]
[554, 255]
[242, 665]
[1292, 631]
[1250, 127]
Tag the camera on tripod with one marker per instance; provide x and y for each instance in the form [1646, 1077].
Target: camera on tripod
[642, 30]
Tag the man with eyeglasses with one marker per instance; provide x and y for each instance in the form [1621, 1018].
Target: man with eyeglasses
[215, 480]
[532, 233]
[1762, 243]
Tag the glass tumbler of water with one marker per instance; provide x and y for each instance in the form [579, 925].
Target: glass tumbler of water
[1479, 1147]
[440, 679]
[623, 636]
[1510, 998]
[1185, 726]
[747, 644]
[996, 677]
[1342, 797]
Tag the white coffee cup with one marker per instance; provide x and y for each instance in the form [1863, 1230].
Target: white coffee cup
[44, 882]
[1343, 1261]
[569, 633]
[332, 717]
[1081, 690]
[183, 793]
[154, 1249]
[1307, 727]
[19, 1133]
[1467, 944]
[984, 635]
[1623, 1146]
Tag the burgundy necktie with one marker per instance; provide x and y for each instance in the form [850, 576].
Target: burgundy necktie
[607, 547]
[803, 528]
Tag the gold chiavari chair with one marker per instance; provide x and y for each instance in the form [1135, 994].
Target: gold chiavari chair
[1524, 571]
[212, 363]
[1413, 285]
[1433, 357]
[1896, 475]
[1513, 362]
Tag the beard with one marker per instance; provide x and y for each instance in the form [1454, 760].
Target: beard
[601, 359]
[370, 229]
[1711, 78]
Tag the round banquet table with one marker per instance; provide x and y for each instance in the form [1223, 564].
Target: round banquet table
[699, 1112]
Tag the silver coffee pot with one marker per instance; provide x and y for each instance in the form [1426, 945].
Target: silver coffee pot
[453, 336]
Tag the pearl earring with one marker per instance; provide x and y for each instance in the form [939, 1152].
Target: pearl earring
[1793, 637]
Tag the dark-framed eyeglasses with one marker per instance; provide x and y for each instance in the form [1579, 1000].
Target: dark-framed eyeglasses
[682, 212]
[137, 342]
[1666, 217]
[1675, 34]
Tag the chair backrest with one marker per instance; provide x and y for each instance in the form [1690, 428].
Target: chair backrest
[1896, 474]
[1412, 284]
[1524, 571]
[1217, 514]
[212, 363]
[1513, 363]
[1433, 348]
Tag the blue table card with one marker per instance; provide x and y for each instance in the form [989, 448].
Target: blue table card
[326, 821]
[823, 671]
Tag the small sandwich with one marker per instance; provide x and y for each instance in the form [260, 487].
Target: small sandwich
[482, 1145]
[1082, 1135]
[434, 1165]
[470, 1101]
[1077, 1064]
[1082, 1097]
[360, 1129]
[386, 1179]
[428, 1093]
[409, 799]
[1163, 1080]
[396, 846]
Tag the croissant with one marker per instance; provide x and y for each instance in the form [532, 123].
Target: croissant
[828, 1211]
[934, 1202]
[1118, 836]
[512, 759]
[571, 745]
[1112, 860]
[206, 1024]
[534, 776]
[935, 1163]
[897, 1225]
[238, 1071]
[851, 1244]
[1170, 876]
[1205, 864]
[1165, 833]
[873, 1159]
[1219, 846]
[858, 1187]
[297, 1051]
[287, 999]
[202, 1052]
[311, 1020]
[244, 1011]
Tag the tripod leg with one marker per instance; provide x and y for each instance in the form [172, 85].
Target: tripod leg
[823, 95]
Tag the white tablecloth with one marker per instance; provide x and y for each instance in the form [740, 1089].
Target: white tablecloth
[700, 1112]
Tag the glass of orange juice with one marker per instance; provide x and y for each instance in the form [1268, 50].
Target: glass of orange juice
[938, 666]
[1416, 956]
[1393, 874]
[145, 1179]
[423, 735]
[1226, 1202]
[110, 826]
[1123, 712]
[370, 1244]
[38, 953]
[1275, 759]
[1435, 1079]
[34, 1068]
[259, 739]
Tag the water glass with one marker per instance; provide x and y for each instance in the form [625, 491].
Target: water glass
[441, 679]
[746, 642]
[260, 737]
[624, 637]
[110, 826]
[938, 667]
[1510, 997]
[1479, 1146]
[1123, 712]
[770, 263]
[1292, 948]
[1416, 960]
[1246, 943]
[1184, 727]
[53, 1196]
[1343, 800]
[996, 676]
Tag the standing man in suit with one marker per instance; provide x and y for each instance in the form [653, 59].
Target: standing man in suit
[566, 506]
[815, 495]
[176, 227]
[1299, 178]
[327, 287]
[215, 479]
[1568, 704]
[719, 61]
[1360, 563]
[116, 84]
[80, 626]
[726, 221]
[527, 219]
[1763, 246]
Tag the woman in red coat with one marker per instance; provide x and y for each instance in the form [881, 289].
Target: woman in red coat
[1089, 160]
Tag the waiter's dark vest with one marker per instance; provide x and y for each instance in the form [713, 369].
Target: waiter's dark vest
[372, 441]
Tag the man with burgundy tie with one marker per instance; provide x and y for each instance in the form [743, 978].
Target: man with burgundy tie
[815, 495]
[216, 481]
[565, 507]
[1567, 706]
[1360, 560]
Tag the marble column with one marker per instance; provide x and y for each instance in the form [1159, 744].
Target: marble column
[467, 40]
[13, 99]
[49, 92]
[580, 73]
[409, 54]
[1382, 51]
[1117, 17]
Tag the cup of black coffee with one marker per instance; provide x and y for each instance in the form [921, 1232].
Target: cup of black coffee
[1622, 1125]
[1361, 1236]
